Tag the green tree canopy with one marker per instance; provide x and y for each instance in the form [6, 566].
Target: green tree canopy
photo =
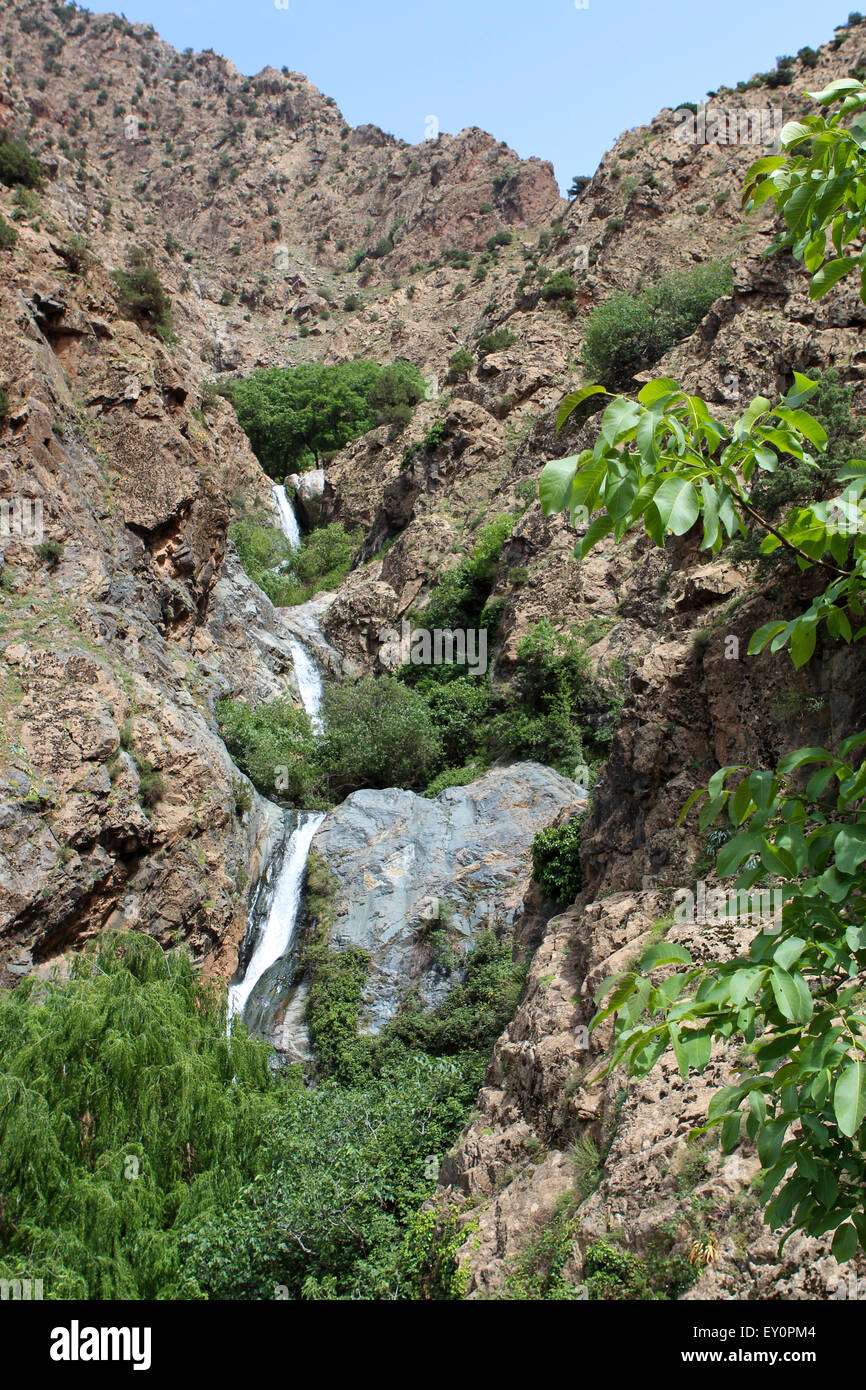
[294, 416]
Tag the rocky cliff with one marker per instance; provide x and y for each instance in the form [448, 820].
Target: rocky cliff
[120, 804]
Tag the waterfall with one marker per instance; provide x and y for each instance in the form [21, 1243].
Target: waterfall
[309, 683]
[288, 520]
[279, 928]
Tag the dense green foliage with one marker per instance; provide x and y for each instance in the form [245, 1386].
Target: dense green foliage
[459, 599]
[628, 332]
[146, 1154]
[558, 711]
[119, 1124]
[17, 164]
[378, 733]
[140, 292]
[274, 745]
[288, 576]
[794, 998]
[556, 861]
[296, 416]
[817, 184]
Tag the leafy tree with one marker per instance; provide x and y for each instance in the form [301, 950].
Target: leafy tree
[294, 416]
[126, 1113]
[818, 184]
[663, 462]
[578, 184]
[379, 733]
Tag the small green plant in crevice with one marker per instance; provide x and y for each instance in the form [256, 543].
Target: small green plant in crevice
[497, 340]
[8, 235]
[559, 286]
[556, 860]
[51, 552]
[587, 1163]
[537, 1272]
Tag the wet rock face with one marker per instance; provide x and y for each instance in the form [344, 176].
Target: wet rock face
[405, 865]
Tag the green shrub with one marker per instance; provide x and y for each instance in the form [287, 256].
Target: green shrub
[459, 710]
[17, 164]
[559, 286]
[140, 292]
[631, 331]
[458, 599]
[8, 235]
[455, 777]
[459, 364]
[378, 733]
[556, 702]
[262, 551]
[556, 860]
[50, 551]
[274, 745]
[77, 254]
[147, 1154]
[537, 1272]
[5, 405]
[351, 303]
[496, 341]
[322, 563]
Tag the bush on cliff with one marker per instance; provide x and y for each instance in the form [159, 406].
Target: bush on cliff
[17, 164]
[141, 294]
[631, 331]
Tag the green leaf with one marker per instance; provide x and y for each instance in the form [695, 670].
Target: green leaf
[555, 484]
[570, 404]
[845, 1243]
[829, 275]
[676, 503]
[849, 1098]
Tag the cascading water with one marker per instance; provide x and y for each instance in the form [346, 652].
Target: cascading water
[288, 520]
[279, 927]
[275, 936]
[309, 683]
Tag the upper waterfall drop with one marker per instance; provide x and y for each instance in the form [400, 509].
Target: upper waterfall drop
[288, 520]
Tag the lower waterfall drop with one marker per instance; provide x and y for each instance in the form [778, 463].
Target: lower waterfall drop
[279, 928]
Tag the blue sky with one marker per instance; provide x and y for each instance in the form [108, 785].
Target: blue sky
[548, 78]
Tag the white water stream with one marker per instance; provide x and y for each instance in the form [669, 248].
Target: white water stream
[288, 520]
[276, 936]
[282, 918]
